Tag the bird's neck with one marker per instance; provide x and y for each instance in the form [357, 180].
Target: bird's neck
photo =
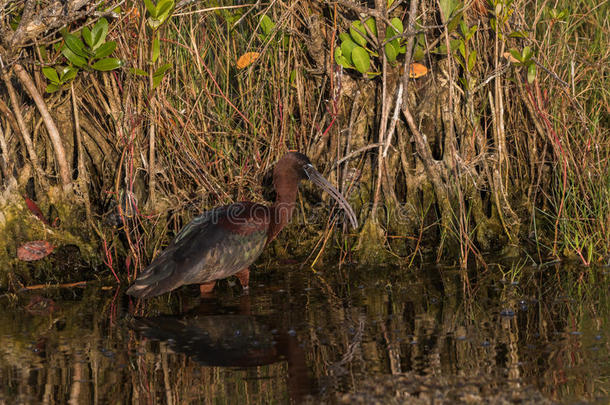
[283, 207]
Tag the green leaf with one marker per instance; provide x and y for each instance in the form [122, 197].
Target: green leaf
[397, 24]
[518, 34]
[267, 25]
[86, 33]
[342, 60]
[355, 30]
[463, 28]
[390, 32]
[43, 53]
[104, 65]
[104, 50]
[162, 69]
[447, 8]
[390, 52]
[138, 72]
[472, 58]
[516, 54]
[164, 7]
[52, 88]
[51, 74]
[526, 54]
[372, 24]
[293, 77]
[498, 9]
[347, 47]
[157, 81]
[14, 22]
[75, 45]
[74, 58]
[531, 73]
[361, 59]
[151, 8]
[464, 83]
[99, 32]
[461, 62]
[344, 36]
[154, 23]
[68, 73]
[470, 33]
[442, 49]
[231, 18]
[462, 48]
[159, 74]
[453, 23]
[156, 50]
[396, 44]
[338, 54]
[418, 53]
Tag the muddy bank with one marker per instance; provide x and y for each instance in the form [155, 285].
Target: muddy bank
[411, 388]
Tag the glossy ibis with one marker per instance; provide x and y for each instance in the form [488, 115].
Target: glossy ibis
[226, 240]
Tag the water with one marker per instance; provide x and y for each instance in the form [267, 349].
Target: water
[344, 335]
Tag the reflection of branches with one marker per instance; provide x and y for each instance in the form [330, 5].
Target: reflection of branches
[393, 350]
[352, 349]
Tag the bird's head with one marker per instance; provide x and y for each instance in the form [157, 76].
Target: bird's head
[294, 167]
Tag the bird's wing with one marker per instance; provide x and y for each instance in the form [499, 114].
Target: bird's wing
[204, 250]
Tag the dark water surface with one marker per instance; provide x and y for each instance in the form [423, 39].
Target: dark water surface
[348, 335]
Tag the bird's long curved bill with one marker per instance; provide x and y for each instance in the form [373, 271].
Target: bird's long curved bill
[321, 182]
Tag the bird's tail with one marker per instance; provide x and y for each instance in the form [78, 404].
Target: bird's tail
[156, 279]
[146, 291]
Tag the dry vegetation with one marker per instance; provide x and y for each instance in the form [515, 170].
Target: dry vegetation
[482, 154]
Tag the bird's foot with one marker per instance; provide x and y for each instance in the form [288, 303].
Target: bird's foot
[206, 289]
[244, 278]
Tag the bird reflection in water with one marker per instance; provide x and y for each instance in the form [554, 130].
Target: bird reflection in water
[216, 335]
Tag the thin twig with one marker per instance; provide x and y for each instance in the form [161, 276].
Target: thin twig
[47, 286]
[397, 109]
[52, 130]
[357, 152]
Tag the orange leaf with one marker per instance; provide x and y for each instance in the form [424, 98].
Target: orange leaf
[417, 70]
[247, 59]
[510, 57]
[34, 250]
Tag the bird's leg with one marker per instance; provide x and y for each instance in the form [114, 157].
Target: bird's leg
[206, 288]
[244, 277]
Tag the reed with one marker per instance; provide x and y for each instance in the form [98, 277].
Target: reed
[478, 155]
